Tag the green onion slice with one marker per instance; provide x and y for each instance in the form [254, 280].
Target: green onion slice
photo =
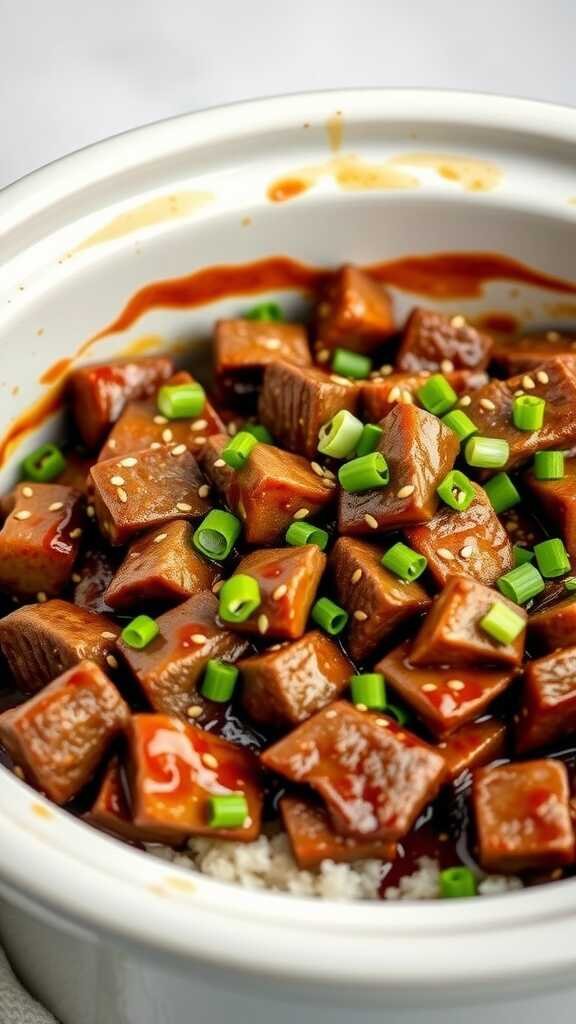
[351, 364]
[369, 439]
[502, 493]
[502, 623]
[229, 810]
[369, 689]
[364, 473]
[217, 534]
[487, 452]
[301, 533]
[339, 437]
[460, 423]
[329, 616]
[521, 584]
[181, 401]
[528, 412]
[265, 311]
[457, 883]
[238, 449]
[437, 395]
[219, 681]
[549, 465]
[522, 555]
[43, 464]
[260, 432]
[239, 598]
[552, 558]
[404, 562]
[457, 491]
[140, 632]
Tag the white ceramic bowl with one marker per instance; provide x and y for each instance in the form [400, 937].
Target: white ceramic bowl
[107, 934]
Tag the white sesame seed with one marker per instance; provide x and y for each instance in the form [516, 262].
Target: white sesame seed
[23, 514]
[339, 380]
[121, 495]
[117, 481]
[111, 660]
[360, 616]
[361, 707]
[457, 321]
[280, 592]
[386, 370]
[447, 366]
[129, 462]
[323, 355]
[528, 383]
[194, 711]
[316, 468]
[159, 537]
[183, 506]
[518, 393]
[487, 403]
[216, 587]
[27, 492]
[56, 506]
[199, 425]
[90, 511]
[445, 553]
[394, 394]
[200, 440]
[407, 397]
[382, 722]
[77, 532]
[41, 597]
[209, 760]
[112, 443]
[272, 343]
[107, 635]
[167, 435]
[203, 491]
[467, 551]
[542, 377]
[464, 401]
[301, 513]
[160, 420]
[356, 576]
[179, 449]
[429, 687]
[155, 445]
[219, 464]
[552, 336]
[263, 624]
[76, 577]
[371, 521]
[18, 771]
[331, 713]
[199, 638]
[406, 491]
[455, 684]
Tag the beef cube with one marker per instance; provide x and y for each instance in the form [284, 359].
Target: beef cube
[452, 635]
[93, 575]
[557, 499]
[174, 770]
[472, 746]
[170, 668]
[288, 579]
[379, 395]
[111, 811]
[355, 312]
[443, 697]
[295, 403]
[40, 641]
[473, 543]
[555, 626]
[162, 566]
[511, 356]
[314, 840]
[548, 705]
[243, 348]
[220, 474]
[523, 816]
[374, 776]
[100, 392]
[146, 491]
[377, 601]
[60, 735]
[76, 471]
[40, 539]
[420, 451]
[436, 342]
[491, 410]
[286, 685]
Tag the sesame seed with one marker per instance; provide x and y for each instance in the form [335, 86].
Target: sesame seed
[467, 551]
[56, 506]
[407, 397]
[406, 491]
[371, 521]
[394, 394]
[117, 481]
[382, 722]
[518, 393]
[488, 404]
[542, 377]
[455, 684]
[274, 647]
[167, 435]
[179, 449]
[23, 514]
[429, 687]
[280, 592]
[447, 366]
[331, 713]
[111, 660]
[77, 532]
[129, 462]
[209, 760]
[76, 577]
[361, 707]
[216, 587]
[155, 445]
[232, 428]
[301, 513]
[445, 553]
[219, 464]
[121, 495]
[339, 380]
[160, 420]
[200, 440]
[528, 383]
[183, 506]
[464, 401]
[316, 468]
[356, 576]
[199, 425]
[323, 355]
[552, 336]
[457, 321]
[360, 616]
[203, 491]
[194, 711]
[199, 638]
[263, 624]
[272, 343]
[41, 597]
[112, 443]
[159, 537]
[386, 370]
[107, 635]
[27, 492]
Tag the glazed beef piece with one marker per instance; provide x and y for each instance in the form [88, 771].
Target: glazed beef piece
[314, 839]
[432, 341]
[288, 579]
[146, 491]
[170, 668]
[548, 705]
[295, 403]
[40, 641]
[452, 635]
[442, 696]
[554, 626]
[93, 574]
[355, 312]
[111, 811]
[163, 566]
[473, 543]
[99, 393]
[377, 601]
[522, 355]
[379, 395]
[472, 746]
[374, 776]
[285, 685]
[219, 473]
[420, 451]
[523, 816]
[243, 348]
[557, 500]
[40, 539]
[174, 770]
[60, 735]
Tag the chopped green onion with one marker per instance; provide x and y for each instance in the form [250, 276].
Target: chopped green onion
[502, 623]
[369, 689]
[239, 598]
[181, 401]
[230, 810]
[552, 558]
[522, 555]
[140, 632]
[570, 584]
[331, 617]
[487, 452]
[521, 584]
[351, 364]
[301, 533]
[238, 449]
[260, 432]
[502, 493]
[460, 423]
[397, 712]
[404, 562]
[219, 681]
[44, 464]
[456, 490]
[266, 311]
[456, 883]
[217, 534]
[549, 465]
[437, 395]
[365, 473]
[339, 437]
[369, 439]
[528, 412]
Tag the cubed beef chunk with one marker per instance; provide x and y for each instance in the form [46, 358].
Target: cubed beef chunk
[473, 543]
[220, 474]
[141, 426]
[147, 490]
[170, 668]
[40, 539]
[377, 601]
[40, 641]
[420, 451]
[288, 579]
[522, 355]
[472, 746]
[60, 735]
[111, 811]
[286, 685]
[243, 348]
[451, 633]
[355, 312]
[313, 838]
[557, 499]
[174, 770]
[100, 392]
[554, 626]
[163, 566]
[295, 403]
[523, 816]
[93, 574]
[379, 395]
[432, 341]
[548, 705]
[491, 410]
[374, 776]
[442, 696]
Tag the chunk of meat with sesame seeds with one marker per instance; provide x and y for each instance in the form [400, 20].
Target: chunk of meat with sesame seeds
[472, 746]
[379, 395]
[111, 811]
[218, 472]
[354, 312]
[313, 838]
[557, 500]
[374, 776]
[242, 350]
[433, 341]
[523, 816]
[548, 703]
[511, 356]
[555, 626]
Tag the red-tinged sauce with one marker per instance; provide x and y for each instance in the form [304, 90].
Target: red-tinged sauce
[498, 323]
[30, 420]
[287, 188]
[56, 371]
